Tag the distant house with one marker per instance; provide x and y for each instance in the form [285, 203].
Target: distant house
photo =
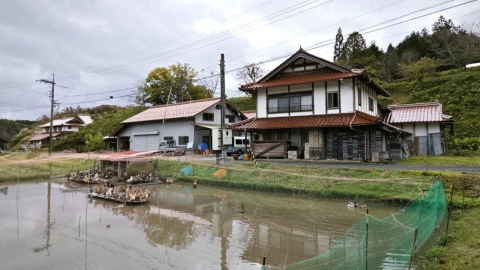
[61, 127]
[3, 144]
[426, 123]
[186, 122]
[316, 109]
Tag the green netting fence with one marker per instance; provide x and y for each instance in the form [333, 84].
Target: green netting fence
[387, 243]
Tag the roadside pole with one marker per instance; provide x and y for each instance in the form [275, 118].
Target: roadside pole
[222, 94]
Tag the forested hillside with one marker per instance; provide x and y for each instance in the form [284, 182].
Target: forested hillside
[9, 128]
[458, 91]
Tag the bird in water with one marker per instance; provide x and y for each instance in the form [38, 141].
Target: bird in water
[195, 183]
[242, 210]
[352, 204]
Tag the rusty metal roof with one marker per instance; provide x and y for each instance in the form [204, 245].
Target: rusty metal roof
[301, 79]
[333, 120]
[417, 112]
[171, 111]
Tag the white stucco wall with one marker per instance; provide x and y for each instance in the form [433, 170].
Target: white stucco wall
[319, 98]
[346, 96]
[261, 103]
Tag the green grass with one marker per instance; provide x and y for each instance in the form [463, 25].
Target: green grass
[459, 250]
[42, 170]
[357, 184]
[441, 160]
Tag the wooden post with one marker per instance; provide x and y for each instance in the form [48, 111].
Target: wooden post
[413, 248]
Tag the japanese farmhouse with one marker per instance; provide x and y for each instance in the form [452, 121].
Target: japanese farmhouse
[61, 127]
[319, 110]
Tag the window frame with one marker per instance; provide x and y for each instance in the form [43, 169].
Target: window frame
[207, 118]
[231, 118]
[359, 94]
[180, 140]
[370, 104]
[331, 106]
[286, 99]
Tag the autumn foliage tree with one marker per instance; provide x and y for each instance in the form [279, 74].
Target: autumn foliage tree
[172, 84]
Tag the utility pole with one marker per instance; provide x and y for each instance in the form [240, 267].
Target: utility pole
[222, 93]
[52, 105]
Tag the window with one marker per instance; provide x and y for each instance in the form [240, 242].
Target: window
[69, 127]
[238, 141]
[168, 138]
[370, 104]
[359, 95]
[182, 140]
[292, 103]
[54, 128]
[231, 118]
[332, 102]
[218, 106]
[208, 116]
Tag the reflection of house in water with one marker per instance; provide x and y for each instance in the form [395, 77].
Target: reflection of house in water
[293, 234]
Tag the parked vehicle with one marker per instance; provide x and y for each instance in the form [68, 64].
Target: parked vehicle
[169, 146]
[238, 145]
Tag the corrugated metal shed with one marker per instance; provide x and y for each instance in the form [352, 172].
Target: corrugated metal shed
[417, 112]
[172, 111]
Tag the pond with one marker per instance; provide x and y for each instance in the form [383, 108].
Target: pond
[50, 226]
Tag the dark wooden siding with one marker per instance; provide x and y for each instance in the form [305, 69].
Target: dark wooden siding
[345, 144]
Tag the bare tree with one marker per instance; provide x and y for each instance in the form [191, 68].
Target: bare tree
[250, 73]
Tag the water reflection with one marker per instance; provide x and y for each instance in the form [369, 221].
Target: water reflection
[180, 228]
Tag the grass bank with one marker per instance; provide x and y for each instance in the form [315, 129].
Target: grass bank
[352, 184]
[441, 160]
[21, 167]
[459, 249]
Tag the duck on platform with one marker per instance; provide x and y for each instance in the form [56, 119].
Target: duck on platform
[195, 183]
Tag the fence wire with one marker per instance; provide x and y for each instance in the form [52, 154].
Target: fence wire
[373, 243]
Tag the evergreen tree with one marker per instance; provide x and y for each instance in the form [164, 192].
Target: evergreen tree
[338, 45]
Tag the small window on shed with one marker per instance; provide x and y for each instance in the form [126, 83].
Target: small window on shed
[182, 140]
[208, 117]
[370, 104]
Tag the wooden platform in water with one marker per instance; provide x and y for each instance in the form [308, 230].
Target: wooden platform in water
[101, 196]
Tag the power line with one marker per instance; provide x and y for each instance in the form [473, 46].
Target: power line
[144, 60]
[115, 68]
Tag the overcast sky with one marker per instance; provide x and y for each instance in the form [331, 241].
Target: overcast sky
[96, 48]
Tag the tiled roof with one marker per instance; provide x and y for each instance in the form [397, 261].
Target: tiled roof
[171, 111]
[417, 112]
[300, 79]
[333, 120]
[42, 136]
[250, 114]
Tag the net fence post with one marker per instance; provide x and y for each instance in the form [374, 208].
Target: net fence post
[419, 219]
[413, 248]
[366, 243]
